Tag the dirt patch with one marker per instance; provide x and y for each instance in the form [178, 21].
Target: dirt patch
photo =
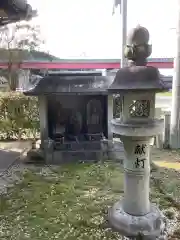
[166, 179]
[166, 158]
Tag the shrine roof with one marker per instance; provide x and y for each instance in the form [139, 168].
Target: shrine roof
[70, 84]
[15, 10]
[25, 55]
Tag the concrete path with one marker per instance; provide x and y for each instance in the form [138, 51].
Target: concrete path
[11, 151]
[166, 158]
[7, 158]
[163, 101]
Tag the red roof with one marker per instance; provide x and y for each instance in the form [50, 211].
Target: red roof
[85, 64]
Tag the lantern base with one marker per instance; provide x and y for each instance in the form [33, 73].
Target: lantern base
[138, 129]
[151, 225]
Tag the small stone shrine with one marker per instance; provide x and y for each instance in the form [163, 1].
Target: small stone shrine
[75, 110]
[135, 216]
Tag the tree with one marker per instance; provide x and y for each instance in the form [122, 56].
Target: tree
[16, 42]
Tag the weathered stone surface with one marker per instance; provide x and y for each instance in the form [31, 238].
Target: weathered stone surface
[149, 225]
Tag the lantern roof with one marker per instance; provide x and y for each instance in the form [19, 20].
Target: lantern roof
[134, 78]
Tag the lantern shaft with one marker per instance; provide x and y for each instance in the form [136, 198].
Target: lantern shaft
[136, 177]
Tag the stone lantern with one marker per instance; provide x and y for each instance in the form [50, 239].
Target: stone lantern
[137, 84]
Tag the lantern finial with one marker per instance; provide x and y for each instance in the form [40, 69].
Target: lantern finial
[138, 49]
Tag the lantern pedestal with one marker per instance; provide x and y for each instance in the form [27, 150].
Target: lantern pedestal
[135, 214]
[150, 225]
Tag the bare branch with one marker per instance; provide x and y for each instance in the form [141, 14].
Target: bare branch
[16, 40]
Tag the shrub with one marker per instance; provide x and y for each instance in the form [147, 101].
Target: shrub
[19, 116]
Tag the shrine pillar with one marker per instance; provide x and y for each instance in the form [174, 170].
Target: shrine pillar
[110, 116]
[43, 117]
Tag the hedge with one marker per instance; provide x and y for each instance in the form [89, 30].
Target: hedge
[19, 116]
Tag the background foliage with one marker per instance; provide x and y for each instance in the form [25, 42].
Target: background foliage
[19, 116]
[16, 41]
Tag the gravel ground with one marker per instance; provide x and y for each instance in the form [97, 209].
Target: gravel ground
[13, 153]
[14, 175]
[15, 172]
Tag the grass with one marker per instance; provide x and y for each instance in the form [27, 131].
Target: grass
[164, 94]
[68, 203]
[168, 170]
[169, 181]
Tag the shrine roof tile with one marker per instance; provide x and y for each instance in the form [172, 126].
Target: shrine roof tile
[15, 10]
[70, 85]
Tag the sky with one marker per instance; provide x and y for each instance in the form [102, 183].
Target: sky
[86, 28]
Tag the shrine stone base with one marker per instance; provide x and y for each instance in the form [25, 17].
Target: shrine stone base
[102, 151]
[59, 157]
[150, 226]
